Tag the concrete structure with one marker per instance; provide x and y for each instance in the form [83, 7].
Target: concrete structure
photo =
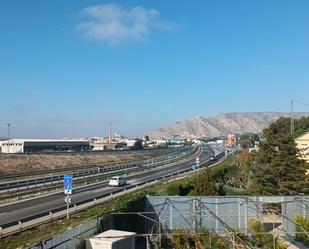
[302, 143]
[43, 145]
[112, 239]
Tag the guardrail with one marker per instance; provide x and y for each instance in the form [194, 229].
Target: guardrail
[45, 217]
[82, 174]
[98, 177]
[64, 170]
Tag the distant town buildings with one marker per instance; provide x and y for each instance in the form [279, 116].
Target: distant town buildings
[176, 140]
[110, 142]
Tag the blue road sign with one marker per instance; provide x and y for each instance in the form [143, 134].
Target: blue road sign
[68, 184]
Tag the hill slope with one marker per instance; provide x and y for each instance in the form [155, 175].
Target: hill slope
[221, 124]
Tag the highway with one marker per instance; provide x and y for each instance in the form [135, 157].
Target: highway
[12, 213]
[47, 179]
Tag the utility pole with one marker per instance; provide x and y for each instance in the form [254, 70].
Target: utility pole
[8, 125]
[109, 133]
[292, 117]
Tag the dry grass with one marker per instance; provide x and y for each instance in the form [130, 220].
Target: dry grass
[12, 164]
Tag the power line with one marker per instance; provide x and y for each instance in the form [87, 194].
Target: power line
[300, 102]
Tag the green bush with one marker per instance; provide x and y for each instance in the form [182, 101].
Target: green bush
[206, 240]
[179, 189]
[181, 239]
[301, 228]
[173, 189]
[203, 240]
[261, 239]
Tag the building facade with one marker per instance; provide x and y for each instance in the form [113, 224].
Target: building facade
[43, 145]
[231, 140]
[302, 143]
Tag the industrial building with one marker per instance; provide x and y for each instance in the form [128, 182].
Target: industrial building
[302, 144]
[103, 145]
[176, 140]
[43, 145]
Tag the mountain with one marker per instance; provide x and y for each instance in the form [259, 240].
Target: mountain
[222, 124]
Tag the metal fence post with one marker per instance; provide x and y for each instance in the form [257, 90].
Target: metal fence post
[209, 240]
[20, 225]
[194, 213]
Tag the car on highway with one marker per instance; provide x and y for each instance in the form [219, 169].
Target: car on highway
[117, 181]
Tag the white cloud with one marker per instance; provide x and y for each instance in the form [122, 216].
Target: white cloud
[113, 24]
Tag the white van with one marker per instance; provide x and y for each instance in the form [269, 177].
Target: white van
[117, 181]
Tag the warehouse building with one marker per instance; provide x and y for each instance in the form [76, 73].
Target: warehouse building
[43, 145]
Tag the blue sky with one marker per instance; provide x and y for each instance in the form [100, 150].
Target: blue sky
[68, 68]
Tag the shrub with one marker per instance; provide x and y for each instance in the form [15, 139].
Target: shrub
[261, 239]
[301, 228]
[182, 239]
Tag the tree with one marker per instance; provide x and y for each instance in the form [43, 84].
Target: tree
[248, 140]
[244, 160]
[203, 184]
[277, 168]
[301, 126]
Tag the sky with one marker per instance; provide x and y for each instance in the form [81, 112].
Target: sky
[68, 68]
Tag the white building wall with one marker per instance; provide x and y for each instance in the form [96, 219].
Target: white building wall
[131, 142]
[12, 146]
[160, 142]
[98, 147]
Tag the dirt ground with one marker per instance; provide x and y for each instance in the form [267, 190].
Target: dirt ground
[12, 164]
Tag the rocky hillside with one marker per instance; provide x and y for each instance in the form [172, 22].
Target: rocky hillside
[221, 124]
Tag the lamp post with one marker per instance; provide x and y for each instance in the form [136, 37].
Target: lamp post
[8, 125]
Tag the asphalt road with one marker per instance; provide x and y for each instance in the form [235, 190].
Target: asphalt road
[20, 210]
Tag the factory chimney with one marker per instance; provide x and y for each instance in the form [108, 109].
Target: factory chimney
[110, 133]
